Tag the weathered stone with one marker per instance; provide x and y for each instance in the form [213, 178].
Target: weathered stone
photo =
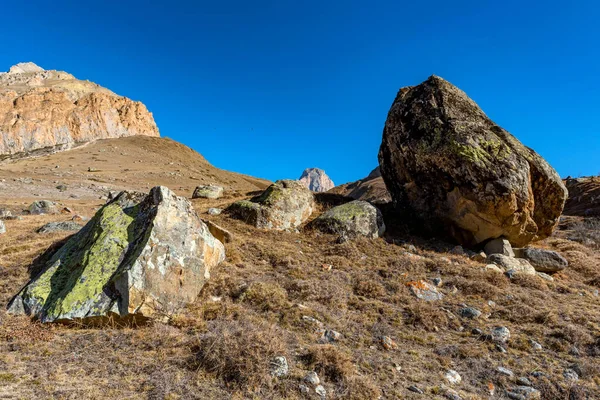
[505, 371]
[5, 214]
[447, 162]
[208, 192]
[452, 377]
[424, 290]
[285, 205]
[499, 246]
[469, 312]
[353, 219]
[312, 378]
[509, 263]
[59, 226]
[42, 207]
[316, 180]
[524, 393]
[136, 259]
[479, 257]
[222, 234]
[500, 334]
[214, 211]
[279, 367]
[543, 260]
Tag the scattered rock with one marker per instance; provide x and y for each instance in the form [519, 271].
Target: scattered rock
[5, 214]
[523, 381]
[493, 268]
[353, 219]
[500, 334]
[437, 282]
[214, 211]
[208, 192]
[469, 312]
[545, 276]
[42, 207]
[570, 375]
[138, 258]
[415, 389]
[279, 367]
[479, 257]
[543, 260]
[424, 290]
[524, 393]
[452, 377]
[2, 227]
[59, 226]
[304, 389]
[508, 263]
[505, 371]
[459, 171]
[320, 390]
[284, 205]
[535, 345]
[62, 188]
[499, 246]
[452, 395]
[388, 343]
[316, 180]
[312, 378]
[330, 336]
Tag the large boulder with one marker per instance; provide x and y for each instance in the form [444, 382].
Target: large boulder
[208, 192]
[353, 219]
[447, 162]
[139, 257]
[284, 205]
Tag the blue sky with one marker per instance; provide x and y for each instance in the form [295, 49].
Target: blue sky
[269, 88]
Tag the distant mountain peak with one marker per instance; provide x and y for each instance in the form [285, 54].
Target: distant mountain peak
[316, 180]
[25, 67]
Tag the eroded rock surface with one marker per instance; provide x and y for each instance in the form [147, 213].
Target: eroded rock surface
[443, 158]
[139, 257]
[45, 111]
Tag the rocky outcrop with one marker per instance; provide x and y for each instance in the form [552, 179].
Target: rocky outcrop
[285, 205]
[353, 219]
[584, 196]
[371, 189]
[316, 180]
[139, 257]
[443, 159]
[45, 111]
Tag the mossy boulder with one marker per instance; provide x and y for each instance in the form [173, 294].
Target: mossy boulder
[284, 205]
[208, 192]
[138, 258]
[445, 162]
[353, 219]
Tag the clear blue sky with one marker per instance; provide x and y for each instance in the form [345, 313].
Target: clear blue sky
[269, 88]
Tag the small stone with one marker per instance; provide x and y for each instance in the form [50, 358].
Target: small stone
[452, 395]
[312, 378]
[330, 336]
[388, 343]
[61, 188]
[214, 211]
[510, 273]
[500, 348]
[279, 367]
[312, 320]
[424, 290]
[499, 246]
[477, 331]
[479, 257]
[457, 250]
[535, 345]
[321, 391]
[523, 381]
[411, 248]
[505, 371]
[2, 227]
[437, 281]
[545, 276]
[493, 268]
[524, 393]
[415, 389]
[570, 375]
[537, 374]
[304, 389]
[469, 312]
[500, 334]
[453, 377]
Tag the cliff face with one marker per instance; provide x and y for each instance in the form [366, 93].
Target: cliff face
[45, 111]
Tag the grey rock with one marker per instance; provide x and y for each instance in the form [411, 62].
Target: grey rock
[452, 377]
[208, 192]
[524, 393]
[330, 336]
[424, 290]
[437, 281]
[279, 367]
[320, 390]
[2, 227]
[570, 375]
[353, 219]
[5, 214]
[469, 312]
[51, 227]
[285, 205]
[214, 211]
[523, 381]
[312, 378]
[136, 259]
[42, 207]
[500, 334]
[505, 371]
[499, 246]
[544, 260]
[415, 389]
[519, 265]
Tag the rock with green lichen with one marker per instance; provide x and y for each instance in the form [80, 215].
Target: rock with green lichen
[208, 192]
[284, 205]
[353, 219]
[445, 162]
[138, 258]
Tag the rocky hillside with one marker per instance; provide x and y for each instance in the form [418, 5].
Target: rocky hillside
[372, 189]
[45, 111]
[584, 196]
[316, 180]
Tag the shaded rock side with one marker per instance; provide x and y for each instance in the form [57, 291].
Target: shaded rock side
[371, 189]
[139, 257]
[46, 111]
[353, 219]
[584, 196]
[446, 161]
[284, 205]
[316, 180]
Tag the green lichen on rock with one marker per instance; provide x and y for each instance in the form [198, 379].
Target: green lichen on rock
[353, 219]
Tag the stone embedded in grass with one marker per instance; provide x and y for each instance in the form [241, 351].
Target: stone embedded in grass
[2, 227]
[64, 226]
[42, 207]
[505, 371]
[138, 258]
[509, 263]
[279, 367]
[500, 334]
[424, 290]
[320, 390]
[524, 393]
[284, 205]
[543, 260]
[469, 312]
[353, 219]
[208, 192]
[388, 343]
[214, 211]
[312, 378]
[452, 377]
